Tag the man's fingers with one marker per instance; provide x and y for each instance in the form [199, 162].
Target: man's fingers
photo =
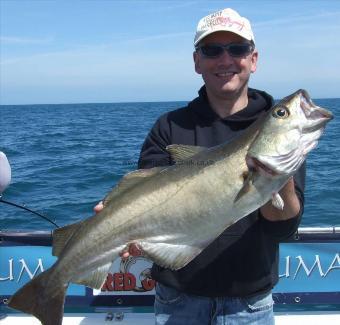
[135, 250]
[132, 250]
[125, 255]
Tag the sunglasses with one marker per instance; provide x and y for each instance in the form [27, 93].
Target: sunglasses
[233, 49]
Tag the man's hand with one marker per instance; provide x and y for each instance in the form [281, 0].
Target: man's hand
[132, 249]
[99, 207]
[291, 204]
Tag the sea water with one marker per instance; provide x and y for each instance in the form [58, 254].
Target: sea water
[65, 158]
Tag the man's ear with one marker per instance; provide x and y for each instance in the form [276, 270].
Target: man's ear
[254, 58]
[197, 62]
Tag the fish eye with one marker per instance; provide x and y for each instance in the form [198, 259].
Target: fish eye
[281, 112]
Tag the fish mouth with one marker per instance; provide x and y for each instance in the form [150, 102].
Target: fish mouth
[316, 120]
[316, 116]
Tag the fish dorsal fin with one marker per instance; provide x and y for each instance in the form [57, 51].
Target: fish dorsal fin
[131, 179]
[181, 152]
[62, 235]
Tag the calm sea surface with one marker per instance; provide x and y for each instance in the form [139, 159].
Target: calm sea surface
[65, 158]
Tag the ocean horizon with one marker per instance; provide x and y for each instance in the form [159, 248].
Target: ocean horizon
[137, 102]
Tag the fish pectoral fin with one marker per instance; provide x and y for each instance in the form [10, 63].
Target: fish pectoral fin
[129, 180]
[61, 236]
[248, 182]
[94, 279]
[170, 256]
[181, 152]
[277, 201]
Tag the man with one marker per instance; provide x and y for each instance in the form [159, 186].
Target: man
[230, 282]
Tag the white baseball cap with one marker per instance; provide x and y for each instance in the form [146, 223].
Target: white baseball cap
[227, 20]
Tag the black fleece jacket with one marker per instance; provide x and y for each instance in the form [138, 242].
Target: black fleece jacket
[243, 260]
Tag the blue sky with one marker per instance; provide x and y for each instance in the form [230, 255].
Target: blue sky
[115, 51]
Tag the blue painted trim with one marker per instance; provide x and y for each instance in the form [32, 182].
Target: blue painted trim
[45, 239]
[302, 298]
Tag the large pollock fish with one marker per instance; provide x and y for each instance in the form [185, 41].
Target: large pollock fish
[172, 213]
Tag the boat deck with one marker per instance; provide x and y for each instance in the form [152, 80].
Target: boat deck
[296, 318]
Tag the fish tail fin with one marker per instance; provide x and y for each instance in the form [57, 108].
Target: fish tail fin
[40, 299]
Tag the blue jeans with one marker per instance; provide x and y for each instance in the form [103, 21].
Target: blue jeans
[176, 308]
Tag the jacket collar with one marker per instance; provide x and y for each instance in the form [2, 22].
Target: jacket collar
[258, 101]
